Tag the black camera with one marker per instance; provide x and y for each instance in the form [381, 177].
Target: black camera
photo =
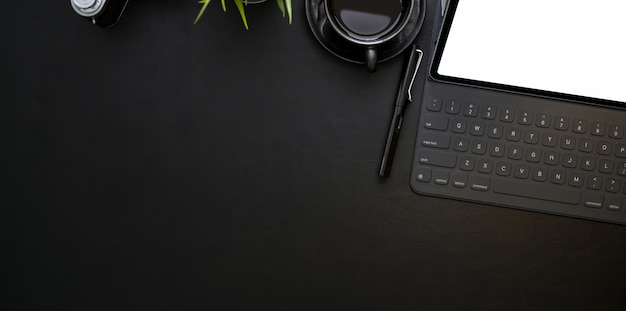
[103, 13]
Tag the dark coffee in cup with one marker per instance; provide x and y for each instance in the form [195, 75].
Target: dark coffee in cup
[367, 19]
[369, 23]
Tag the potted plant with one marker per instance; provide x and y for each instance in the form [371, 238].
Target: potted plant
[283, 5]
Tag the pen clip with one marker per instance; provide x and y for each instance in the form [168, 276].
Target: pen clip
[420, 54]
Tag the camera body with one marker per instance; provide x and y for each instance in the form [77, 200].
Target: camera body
[103, 13]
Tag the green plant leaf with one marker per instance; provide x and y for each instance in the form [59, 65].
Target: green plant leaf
[242, 12]
[289, 10]
[206, 3]
[285, 8]
[281, 6]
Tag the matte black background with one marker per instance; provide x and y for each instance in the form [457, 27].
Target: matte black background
[162, 165]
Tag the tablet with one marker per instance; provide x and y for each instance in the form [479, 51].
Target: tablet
[571, 49]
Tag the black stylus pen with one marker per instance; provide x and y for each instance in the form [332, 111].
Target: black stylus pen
[404, 97]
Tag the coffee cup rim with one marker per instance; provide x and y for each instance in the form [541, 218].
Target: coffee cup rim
[398, 28]
[332, 42]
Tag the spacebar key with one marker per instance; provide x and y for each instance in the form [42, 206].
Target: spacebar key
[437, 158]
[534, 191]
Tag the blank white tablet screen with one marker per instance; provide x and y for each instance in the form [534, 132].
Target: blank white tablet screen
[566, 46]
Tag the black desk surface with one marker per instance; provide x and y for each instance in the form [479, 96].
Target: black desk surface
[162, 165]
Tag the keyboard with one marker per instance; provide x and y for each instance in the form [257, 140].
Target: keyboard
[520, 151]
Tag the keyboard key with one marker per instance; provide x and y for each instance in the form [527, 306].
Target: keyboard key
[594, 200]
[433, 104]
[568, 142]
[485, 166]
[489, 112]
[466, 163]
[616, 131]
[525, 118]
[579, 126]
[557, 177]
[620, 150]
[536, 191]
[539, 173]
[613, 185]
[451, 106]
[598, 128]
[569, 160]
[585, 145]
[507, 115]
[470, 110]
[605, 166]
[604, 148]
[543, 120]
[531, 137]
[561, 123]
[496, 150]
[588, 163]
[459, 180]
[503, 168]
[576, 180]
[435, 140]
[521, 171]
[594, 182]
[479, 146]
[549, 139]
[551, 157]
[494, 131]
[477, 128]
[459, 126]
[514, 152]
[460, 143]
[436, 122]
[422, 174]
[512, 134]
[481, 183]
[614, 203]
[441, 177]
[437, 158]
[533, 155]
[621, 168]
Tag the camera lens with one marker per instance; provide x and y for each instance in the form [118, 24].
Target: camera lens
[83, 4]
[88, 8]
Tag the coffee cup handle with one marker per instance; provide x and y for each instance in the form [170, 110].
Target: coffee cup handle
[371, 58]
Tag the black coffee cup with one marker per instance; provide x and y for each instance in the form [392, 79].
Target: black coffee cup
[369, 23]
